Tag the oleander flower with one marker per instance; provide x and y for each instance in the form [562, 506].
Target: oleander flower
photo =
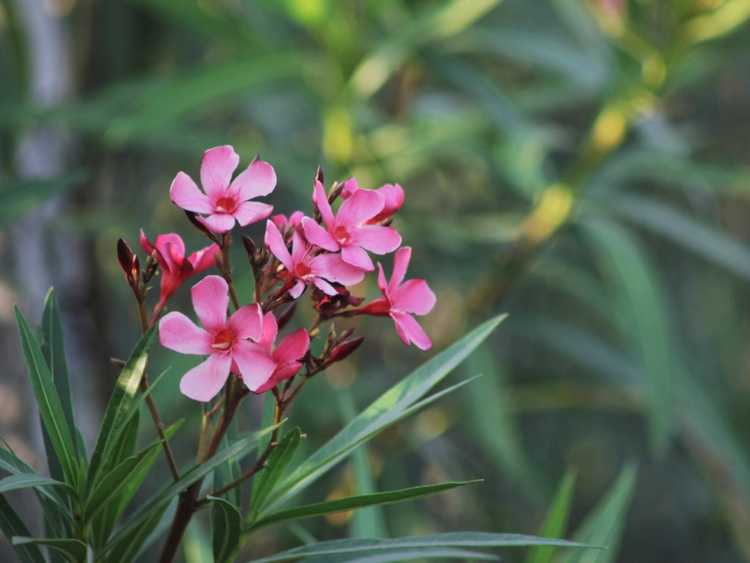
[393, 198]
[226, 341]
[224, 200]
[402, 299]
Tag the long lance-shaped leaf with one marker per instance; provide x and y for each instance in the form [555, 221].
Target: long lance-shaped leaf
[160, 500]
[364, 547]
[226, 524]
[359, 501]
[73, 550]
[408, 554]
[11, 526]
[48, 401]
[127, 547]
[390, 407]
[27, 480]
[124, 396]
[556, 520]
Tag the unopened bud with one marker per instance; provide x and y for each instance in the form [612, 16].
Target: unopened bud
[336, 190]
[343, 349]
[128, 262]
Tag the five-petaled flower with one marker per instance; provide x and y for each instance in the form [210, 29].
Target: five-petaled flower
[393, 198]
[225, 200]
[402, 299]
[274, 364]
[226, 342]
[304, 267]
[169, 252]
[348, 231]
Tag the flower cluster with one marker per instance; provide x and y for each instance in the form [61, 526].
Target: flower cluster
[325, 254]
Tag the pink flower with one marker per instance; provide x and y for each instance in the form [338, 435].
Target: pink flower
[393, 196]
[402, 299]
[169, 252]
[226, 342]
[304, 267]
[348, 230]
[284, 223]
[224, 200]
[272, 365]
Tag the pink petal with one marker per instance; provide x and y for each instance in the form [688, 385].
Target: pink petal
[216, 170]
[320, 199]
[297, 289]
[210, 301]
[382, 284]
[317, 235]
[204, 258]
[361, 206]
[400, 265]
[205, 380]
[414, 296]
[277, 246]
[394, 198]
[247, 322]
[185, 194]
[172, 250]
[256, 180]
[356, 256]
[251, 212]
[218, 222]
[333, 268]
[349, 188]
[377, 239]
[325, 287]
[270, 331]
[293, 347]
[180, 334]
[146, 245]
[255, 365]
[410, 331]
[299, 247]
[285, 371]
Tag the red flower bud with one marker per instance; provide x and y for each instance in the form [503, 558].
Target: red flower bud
[343, 349]
[129, 263]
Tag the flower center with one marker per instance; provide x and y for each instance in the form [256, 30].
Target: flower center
[341, 234]
[226, 204]
[301, 270]
[223, 340]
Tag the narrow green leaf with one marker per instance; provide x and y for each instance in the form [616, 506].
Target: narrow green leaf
[359, 501]
[604, 525]
[53, 347]
[226, 524]
[390, 407]
[120, 407]
[408, 554]
[11, 526]
[556, 520]
[277, 463]
[452, 539]
[26, 480]
[128, 542]
[48, 401]
[73, 550]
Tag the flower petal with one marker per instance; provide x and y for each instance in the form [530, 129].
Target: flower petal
[414, 296]
[218, 222]
[377, 239]
[356, 256]
[216, 170]
[400, 265]
[410, 331]
[285, 371]
[270, 331]
[361, 206]
[333, 268]
[179, 333]
[297, 289]
[210, 301]
[277, 246]
[251, 212]
[205, 380]
[185, 194]
[247, 322]
[299, 247]
[382, 284]
[204, 258]
[256, 180]
[172, 249]
[325, 287]
[293, 347]
[317, 235]
[255, 365]
[320, 199]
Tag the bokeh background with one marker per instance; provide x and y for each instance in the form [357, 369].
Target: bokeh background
[580, 164]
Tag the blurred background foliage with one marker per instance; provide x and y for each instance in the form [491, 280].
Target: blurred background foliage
[580, 164]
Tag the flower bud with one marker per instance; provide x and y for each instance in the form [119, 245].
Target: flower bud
[129, 263]
[344, 348]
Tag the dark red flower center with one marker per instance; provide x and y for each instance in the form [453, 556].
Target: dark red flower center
[226, 204]
[301, 270]
[223, 340]
[341, 234]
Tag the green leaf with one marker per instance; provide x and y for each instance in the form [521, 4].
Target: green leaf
[394, 404]
[226, 524]
[556, 521]
[364, 547]
[20, 197]
[604, 525]
[26, 480]
[121, 407]
[11, 526]
[127, 543]
[48, 401]
[350, 503]
[409, 554]
[277, 463]
[73, 550]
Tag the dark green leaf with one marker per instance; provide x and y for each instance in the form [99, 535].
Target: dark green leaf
[73, 550]
[226, 525]
[12, 525]
[26, 480]
[556, 521]
[277, 463]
